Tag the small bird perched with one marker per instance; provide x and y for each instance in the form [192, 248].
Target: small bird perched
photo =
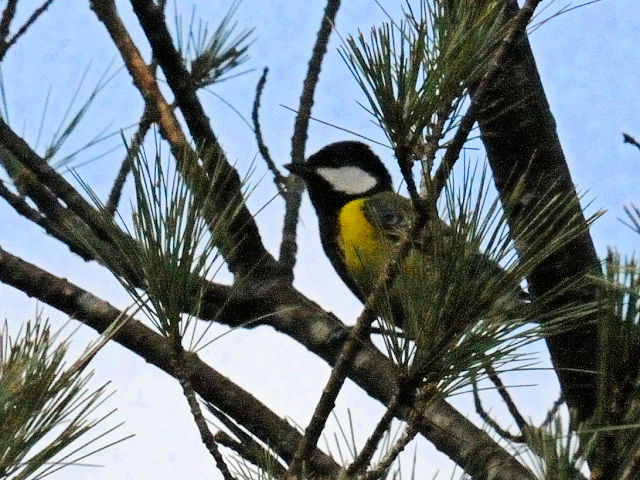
[359, 214]
[362, 220]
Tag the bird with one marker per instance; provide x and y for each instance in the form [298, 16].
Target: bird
[362, 221]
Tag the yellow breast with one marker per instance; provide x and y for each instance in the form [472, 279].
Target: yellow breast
[365, 250]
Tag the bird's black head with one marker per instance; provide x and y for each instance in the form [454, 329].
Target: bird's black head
[342, 172]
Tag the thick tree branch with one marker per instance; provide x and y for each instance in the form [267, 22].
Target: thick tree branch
[293, 314]
[520, 136]
[136, 337]
[243, 249]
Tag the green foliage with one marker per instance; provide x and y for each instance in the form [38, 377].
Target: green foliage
[45, 405]
[613, 433]
[463, 309]
[175, 247]
[558, 455]
[415, 73]
[213, 55]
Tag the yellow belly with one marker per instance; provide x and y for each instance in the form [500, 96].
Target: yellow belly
[364, 250]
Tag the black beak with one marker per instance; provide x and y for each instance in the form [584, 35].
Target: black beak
[301, 169]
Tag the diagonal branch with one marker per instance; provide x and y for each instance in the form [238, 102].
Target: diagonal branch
[125, 168]
[295, 185]
[506, 398]
[293, 314]
[5, 45]
[515, 131]
[207, 382]
[486, 418]
[205, 434]
[243, 249]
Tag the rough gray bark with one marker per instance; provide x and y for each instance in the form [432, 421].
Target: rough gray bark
[519, 133]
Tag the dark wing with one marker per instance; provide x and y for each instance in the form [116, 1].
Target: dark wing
[390, 213]
[393, 214]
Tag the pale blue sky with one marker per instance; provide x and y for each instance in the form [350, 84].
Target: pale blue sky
[589, 63]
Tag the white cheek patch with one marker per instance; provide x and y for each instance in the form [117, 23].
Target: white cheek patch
[348, 180]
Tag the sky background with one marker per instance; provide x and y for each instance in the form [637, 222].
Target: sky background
[589, 63]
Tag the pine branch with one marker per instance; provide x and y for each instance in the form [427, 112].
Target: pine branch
[278, 178]
[243, 250]
[449, 431]
[295, 185]
[125, 168]
[207, 382]
[526, 157]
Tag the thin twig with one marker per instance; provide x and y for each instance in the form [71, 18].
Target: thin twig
[429, 155]
[22, 30]
[363, 459]
[518, 25]
[8, 14]
[196, 411]
[506, 398]
[278, 178]
[489, 420]
[405, 161]
[629, 139]
[352, 345]
[253, 453]
[413, 424]
[632, 468]
[552, 412]
[116, 191]
[21, 206]
[295, 185]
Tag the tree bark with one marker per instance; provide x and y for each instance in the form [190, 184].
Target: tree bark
[519, 134]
